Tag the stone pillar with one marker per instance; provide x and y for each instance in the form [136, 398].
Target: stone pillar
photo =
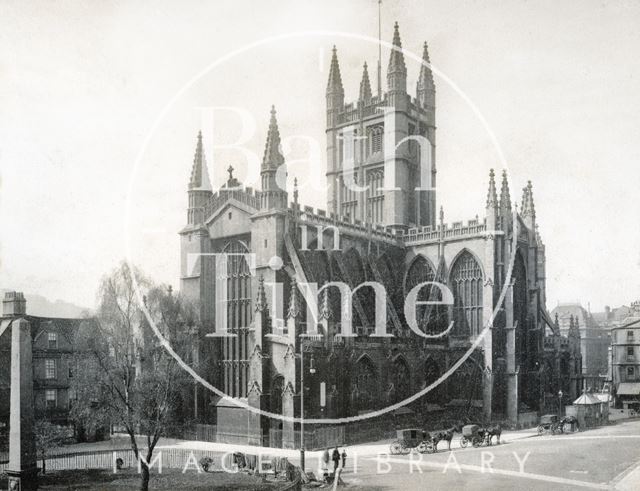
[256, 366]
[512, 370]
[22, 470]
[288, 408]
[487, 316]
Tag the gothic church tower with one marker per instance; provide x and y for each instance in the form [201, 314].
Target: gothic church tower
[379, 147]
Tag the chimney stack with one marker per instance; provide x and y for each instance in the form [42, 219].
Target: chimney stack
[14, 304]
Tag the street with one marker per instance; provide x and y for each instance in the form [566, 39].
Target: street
[604, 458]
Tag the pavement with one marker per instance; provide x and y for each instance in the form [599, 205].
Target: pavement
[361, 450]
[602, 458]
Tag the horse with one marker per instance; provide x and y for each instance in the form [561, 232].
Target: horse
[491, 431]
[446, 435]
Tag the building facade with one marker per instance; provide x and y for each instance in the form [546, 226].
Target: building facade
[251, 343]
[625, 360]
[595, 340]
[52, 359]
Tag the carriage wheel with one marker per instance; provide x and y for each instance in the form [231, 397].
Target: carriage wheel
[405, 449]
[396, 448]
[540, 430]
[464, 442]
[476, 442]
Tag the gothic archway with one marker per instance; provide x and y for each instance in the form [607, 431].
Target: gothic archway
[239, 315]
[466, 283]
[367, 386]
[430, 318]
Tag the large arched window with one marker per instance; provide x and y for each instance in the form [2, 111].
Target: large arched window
[466, 283]
[367, 384]
[375, 196]
[238, 309]
[430, 318]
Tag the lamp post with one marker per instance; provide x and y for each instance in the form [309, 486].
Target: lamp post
[303, 347]
[560, 403]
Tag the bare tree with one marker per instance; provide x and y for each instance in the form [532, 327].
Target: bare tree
[126, 377]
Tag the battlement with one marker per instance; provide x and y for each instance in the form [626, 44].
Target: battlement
[457, 229]
[345, 224]
[247, 196]
[355, 111]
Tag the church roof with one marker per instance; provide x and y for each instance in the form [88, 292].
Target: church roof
[586, 399]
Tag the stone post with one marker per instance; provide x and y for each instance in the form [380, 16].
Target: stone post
[22, 470]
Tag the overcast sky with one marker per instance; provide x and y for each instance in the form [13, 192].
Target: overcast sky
[82, 85]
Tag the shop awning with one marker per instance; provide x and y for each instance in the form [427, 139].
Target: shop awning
[629, 389]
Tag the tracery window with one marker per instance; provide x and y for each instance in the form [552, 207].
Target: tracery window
[348, 195]
[430, 318]
[367, 384]
[466, 282]
[375, 196]
[376, 138]
[238, 307]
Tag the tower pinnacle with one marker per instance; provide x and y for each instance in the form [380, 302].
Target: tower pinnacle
[273, 172]
[272, 157]
[505, 196]
[425, 87]
[335, 79]
[528, 207]
[492, 197]
[365, 85]
[397, 71]
[199, 174]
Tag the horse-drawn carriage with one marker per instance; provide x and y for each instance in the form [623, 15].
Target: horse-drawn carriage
[412, 439]
[475, 435]
[549, 423]
[569, 424]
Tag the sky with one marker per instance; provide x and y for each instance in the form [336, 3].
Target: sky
[100, 104]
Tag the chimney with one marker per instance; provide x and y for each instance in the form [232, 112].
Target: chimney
[14, 304]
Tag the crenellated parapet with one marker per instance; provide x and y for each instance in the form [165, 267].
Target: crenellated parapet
[247, 196]
[455, 231]
[318, 217]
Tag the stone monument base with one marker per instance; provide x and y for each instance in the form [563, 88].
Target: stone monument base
[24, 480]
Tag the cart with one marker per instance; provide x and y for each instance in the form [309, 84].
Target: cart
[474, 435]
[549, 423]
[411, 439]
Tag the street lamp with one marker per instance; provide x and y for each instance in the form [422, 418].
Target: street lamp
[312, 369]
[560, 403]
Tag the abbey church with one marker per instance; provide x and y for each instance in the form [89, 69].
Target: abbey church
[258, 343]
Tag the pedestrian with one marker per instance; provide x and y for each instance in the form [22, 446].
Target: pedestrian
[325, 457]
[336, 460]
[344, 458]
